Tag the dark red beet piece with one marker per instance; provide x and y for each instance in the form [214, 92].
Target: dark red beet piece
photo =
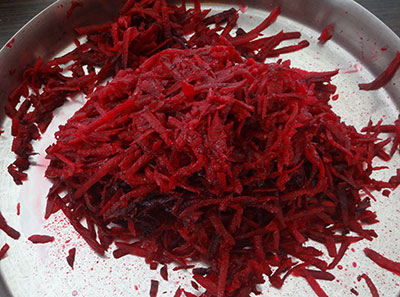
[154, 288]
[370, 284]
[384, 77]
[383, 261]
[4, 250]
[164, 272]
[311, 280]
[354, 291]
[71, 257]
[178, 292]
[7, 229]
[194, 285]
[18, 209]
[41, 239]
[326, 33]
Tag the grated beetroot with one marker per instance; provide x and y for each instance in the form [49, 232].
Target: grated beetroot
[178, 292]
[382, 261]
[198, 151]
[3, 250]
[201, 155]
[71, 257]
[326, 33]
[164, 272]
[14, 234]
[142, 29]
[384, 78]
[354, 291]
[370, 284]
[40, 238]
[154, 288]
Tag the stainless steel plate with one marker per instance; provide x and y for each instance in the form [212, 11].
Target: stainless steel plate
[356, 49]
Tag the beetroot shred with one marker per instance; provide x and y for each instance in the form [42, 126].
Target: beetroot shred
[14, 234]
[71, 257]
[3, 250]
[203, 155]
[382, 261]
[384, 77]
[326, 33]
[198, 151]
[142, 29]
[370, 284]
[40, 238]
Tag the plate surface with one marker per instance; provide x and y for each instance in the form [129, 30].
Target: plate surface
[356, 50]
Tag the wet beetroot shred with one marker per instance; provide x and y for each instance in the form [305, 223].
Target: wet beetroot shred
[199, 152]
[370, 284]
[11, 232]
[385, 77]
[40, 238]
[154, 288]
[203, 155]
[142, 29]
[326, 33]
[3, 250]
[382, 261]
[71, 257]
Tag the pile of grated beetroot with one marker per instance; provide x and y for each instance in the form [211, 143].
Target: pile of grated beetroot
[199, 152]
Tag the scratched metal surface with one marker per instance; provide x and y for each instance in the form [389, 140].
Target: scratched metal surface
[356, 50]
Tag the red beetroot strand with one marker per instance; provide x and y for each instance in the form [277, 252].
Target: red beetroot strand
[196, 152]
[164, 272]
[154, 288]
[147, 167]
[112, 46]
[385, 77]
[383, 261]
[326, 33]
[370, 284]
[40, 239]
[71, 257]
[7, 229]
[354, 291]
[18, 209]
[4, 250]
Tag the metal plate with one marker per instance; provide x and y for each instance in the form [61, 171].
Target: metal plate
[356, 49]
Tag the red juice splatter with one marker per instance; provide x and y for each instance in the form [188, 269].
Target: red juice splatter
[354, 70]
